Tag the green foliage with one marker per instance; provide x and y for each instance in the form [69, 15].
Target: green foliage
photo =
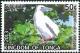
[64, 38]
[52, 14]
[24, 33]
[24, 28]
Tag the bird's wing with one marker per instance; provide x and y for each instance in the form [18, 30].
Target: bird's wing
[51, 25]
[51, 30]
[45, 34]
[42, 32]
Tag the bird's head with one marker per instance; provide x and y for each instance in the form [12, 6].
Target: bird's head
[43, 8]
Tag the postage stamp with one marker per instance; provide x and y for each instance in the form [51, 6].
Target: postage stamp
[40, 26]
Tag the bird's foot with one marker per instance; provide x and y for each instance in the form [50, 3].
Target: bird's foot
[43, 41]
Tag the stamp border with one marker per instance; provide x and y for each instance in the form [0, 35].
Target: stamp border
[39, 2]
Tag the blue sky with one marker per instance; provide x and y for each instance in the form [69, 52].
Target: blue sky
[70, 22]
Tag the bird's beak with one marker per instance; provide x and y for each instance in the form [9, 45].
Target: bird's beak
[48, 9]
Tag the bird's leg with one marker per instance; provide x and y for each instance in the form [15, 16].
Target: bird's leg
[43, 41]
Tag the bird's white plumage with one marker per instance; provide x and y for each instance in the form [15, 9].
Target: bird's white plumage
[54, 26]
[40, 21]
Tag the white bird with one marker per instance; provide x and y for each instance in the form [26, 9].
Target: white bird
[45, 26]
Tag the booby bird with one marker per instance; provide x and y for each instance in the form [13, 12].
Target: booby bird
[45, 26]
